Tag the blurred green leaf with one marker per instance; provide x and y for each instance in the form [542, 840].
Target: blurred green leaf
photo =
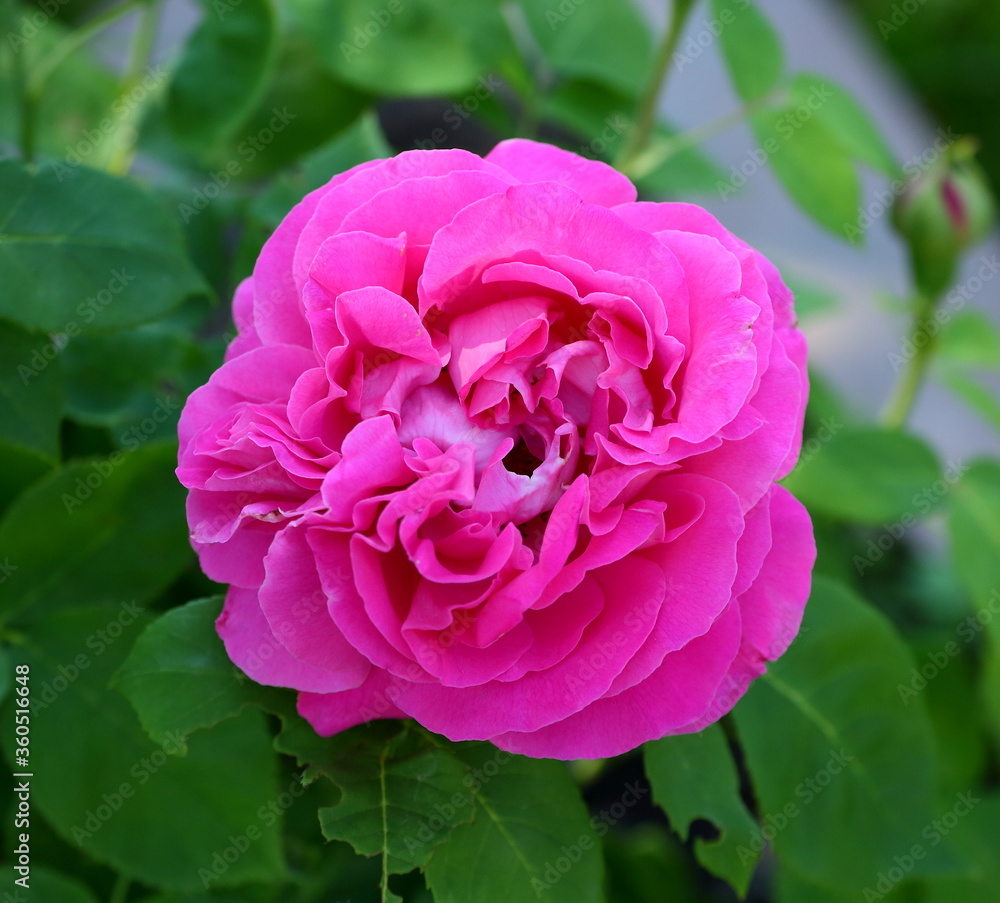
[953, 706]
[408, 47]
[975, 543]
[31, 391]
[808, 161]
[73, 258]
[750, 46]
[47, 885]
[981, 399]
[222, 71]
[105, 530]
[304, 106]
[362, 141]
[844, 771]
[605, 41]
[969, 338]
[19, 468]
[868, 475]
[846, 120]
[976, 834]
[179, 678]
[975, 530]
[531, 839]
[164, 819]
[693, 776]
[116, 379]
[791, 887]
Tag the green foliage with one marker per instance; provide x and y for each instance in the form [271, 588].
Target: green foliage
[140, 807]
[231, 51]
[179, 678]
[106, 521]
[528, 812]
[693, 776]
[68, 241]
[601, 40]
[383, 46]
[975, 537]
[751, 49]
[31, 392]
[832, 738]
[869, 476]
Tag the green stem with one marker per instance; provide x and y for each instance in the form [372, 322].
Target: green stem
[904, 393]
[645, 121]
[655, 156]
[124, 138]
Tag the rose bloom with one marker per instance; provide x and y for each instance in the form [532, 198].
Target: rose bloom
[495, 449]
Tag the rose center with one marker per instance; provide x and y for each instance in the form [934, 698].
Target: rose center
[520, 460]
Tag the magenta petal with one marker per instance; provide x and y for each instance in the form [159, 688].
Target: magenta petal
[331, 713]
[295, 605]
[532, 161]
[677, 692]
[254, 648]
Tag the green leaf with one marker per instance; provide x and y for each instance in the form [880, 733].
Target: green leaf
[868, 475]
[531, 839]
[953, 704]
[842, 766]
[31, 392]
[813, 167]
[975, 530]
[976, 828]
[975, 541]
[969, 339]
[750, 47]
[976, 395]
[118, 378]
[81, 251]
[46, 885]
[179, 678]
[408, 47]
[401, 798]
[19, 468]
[693, 776]
[603, 40]
[361, 142]
[791, 887]
[105, 530]
[846, 120]
[222, 71]
[163, 819]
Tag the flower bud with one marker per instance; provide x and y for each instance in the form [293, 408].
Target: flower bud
[942, 212]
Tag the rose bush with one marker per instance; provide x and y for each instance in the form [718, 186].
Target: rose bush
[495, 448]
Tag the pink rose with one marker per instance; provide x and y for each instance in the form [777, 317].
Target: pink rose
[495, 449]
